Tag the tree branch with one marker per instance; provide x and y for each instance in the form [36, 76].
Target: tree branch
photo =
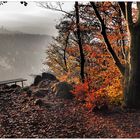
[47, 5]
[108, 45]
[65, 61]
[122, 37]
[122, 8]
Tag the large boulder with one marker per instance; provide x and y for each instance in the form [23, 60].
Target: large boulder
[40, 93]
[48, 76]
[37, 80]
[44, 84]
[47, 84]
[63, 90]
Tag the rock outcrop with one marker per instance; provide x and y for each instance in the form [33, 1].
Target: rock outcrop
[48, 86]
[63, 90]
[48, 76]
[40, 93]
[37, 80]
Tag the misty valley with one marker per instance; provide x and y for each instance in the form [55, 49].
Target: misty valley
[22, 54]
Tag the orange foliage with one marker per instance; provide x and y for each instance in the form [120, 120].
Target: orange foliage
[80, 91]
[102, 97]
[103, 84]
[93, 99]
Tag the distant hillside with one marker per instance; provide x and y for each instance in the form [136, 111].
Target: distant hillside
[3, 30]
[21, 54]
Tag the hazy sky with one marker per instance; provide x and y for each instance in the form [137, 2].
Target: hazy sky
[32, 18]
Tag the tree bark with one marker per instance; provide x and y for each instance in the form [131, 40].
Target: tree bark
[132, 76]
[132, 87]
[122, 8]
[82, 57]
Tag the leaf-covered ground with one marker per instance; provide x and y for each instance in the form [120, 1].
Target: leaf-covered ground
[21, 118]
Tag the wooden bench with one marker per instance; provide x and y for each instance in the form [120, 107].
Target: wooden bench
[13, 81]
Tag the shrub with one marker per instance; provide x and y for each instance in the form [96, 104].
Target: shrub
[80, 91]
[115, 92]
[99, 99]
[92, 99]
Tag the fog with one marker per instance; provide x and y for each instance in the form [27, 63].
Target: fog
[25, 33]
[22, 55]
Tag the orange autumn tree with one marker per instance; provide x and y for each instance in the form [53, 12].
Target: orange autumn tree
[100, 67]
[102, 76]
[129, 71]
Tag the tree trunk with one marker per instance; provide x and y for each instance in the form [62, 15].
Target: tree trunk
[132, 87]
[82, 56]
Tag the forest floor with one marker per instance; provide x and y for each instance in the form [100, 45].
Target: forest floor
[21, 118]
